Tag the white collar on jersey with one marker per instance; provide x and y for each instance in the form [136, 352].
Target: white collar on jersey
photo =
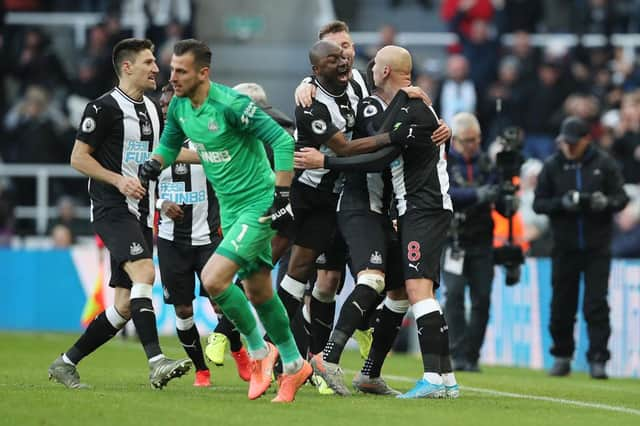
[129, 98]
[331, 94]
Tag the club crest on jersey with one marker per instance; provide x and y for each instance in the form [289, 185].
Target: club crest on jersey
[146, 128]
[318, 126]
[369, 111]
[88, 125]
[212, 126]
[376, 258]
[135, 248]
[351, 120]
[181, 169]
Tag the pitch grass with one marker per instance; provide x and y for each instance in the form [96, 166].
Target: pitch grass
[121, 394]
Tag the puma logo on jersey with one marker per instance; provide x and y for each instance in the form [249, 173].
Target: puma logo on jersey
[405, 109]
[97, 108]
[143, 115]
[411, 265]
[310, 112]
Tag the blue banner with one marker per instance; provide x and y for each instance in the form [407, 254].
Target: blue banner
[45, 290]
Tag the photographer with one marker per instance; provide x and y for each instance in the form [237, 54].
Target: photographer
[468, 258]
[580, 188]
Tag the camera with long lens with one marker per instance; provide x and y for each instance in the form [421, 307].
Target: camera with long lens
[508, 163]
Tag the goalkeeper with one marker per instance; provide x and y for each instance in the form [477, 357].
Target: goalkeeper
[227, 130]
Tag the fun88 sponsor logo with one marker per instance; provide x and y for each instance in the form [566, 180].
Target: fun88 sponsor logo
[174, 191]
[136, 152]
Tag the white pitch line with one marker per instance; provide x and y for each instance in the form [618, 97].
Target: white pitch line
[563, 401]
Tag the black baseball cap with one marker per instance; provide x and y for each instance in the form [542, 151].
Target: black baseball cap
[572, 130]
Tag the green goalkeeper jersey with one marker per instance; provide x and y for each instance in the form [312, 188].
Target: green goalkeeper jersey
[228, 131]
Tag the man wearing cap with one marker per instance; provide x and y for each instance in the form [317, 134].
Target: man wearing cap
[580, 189]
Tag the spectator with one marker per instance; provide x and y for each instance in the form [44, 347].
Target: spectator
[387, 36]
[527, 56]
[67, 217]
[98, 52]
[460, 14]
[87, 84]
[34, 128]
[543, 103]
[34, 134]
[37, 64]
[457, 91]
[626, 146]
[580, 204]
[480, 48]
[61, 236]
[510, 92]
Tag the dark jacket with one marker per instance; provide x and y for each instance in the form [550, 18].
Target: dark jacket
[584, 229]
[464, 180]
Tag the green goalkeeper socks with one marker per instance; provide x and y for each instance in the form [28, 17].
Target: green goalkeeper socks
[236, 307]
[276, 322]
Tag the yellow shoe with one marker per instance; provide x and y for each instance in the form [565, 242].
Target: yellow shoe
[321, 385]
[216, 348]
[364, 340]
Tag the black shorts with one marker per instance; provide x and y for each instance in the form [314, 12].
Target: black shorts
[314, 212]
[372, 244]
[178, 263]
[422, 238]
[127, 239]
[333, 258]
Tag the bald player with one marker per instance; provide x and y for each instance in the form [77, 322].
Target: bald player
[327, 125]
[420, 184]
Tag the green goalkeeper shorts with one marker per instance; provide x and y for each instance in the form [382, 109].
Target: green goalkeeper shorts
[246, 241]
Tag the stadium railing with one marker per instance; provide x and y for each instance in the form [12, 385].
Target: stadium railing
[42, 173]
[79, 21]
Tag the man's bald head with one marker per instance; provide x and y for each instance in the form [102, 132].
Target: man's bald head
[321, 49]
[397, 58]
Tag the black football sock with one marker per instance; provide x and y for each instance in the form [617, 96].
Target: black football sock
[190, 339]
[100, 330]
[360, 302]
[291, 292]
[144, 318]
[385, 332]
[429, 322]
[445, 356]
[322, 314]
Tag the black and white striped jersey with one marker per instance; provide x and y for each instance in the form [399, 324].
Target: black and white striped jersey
[315, 125]
[123, 133]
[367, 191]
[419, 175]
[187, 186]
